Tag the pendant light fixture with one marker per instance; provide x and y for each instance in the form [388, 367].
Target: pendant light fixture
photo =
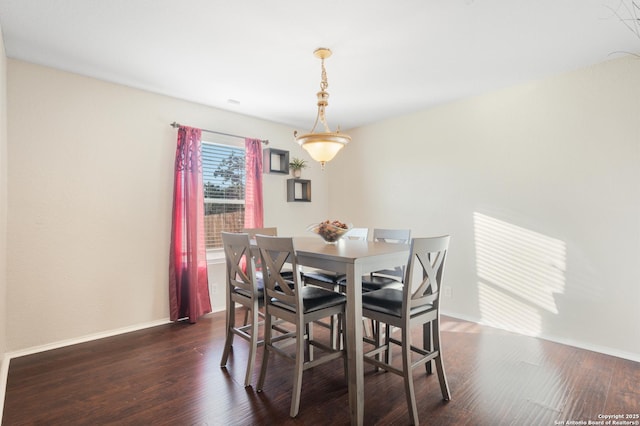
[322, 146]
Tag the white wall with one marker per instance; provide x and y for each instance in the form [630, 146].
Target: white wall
[3, 208]
[90, 187]
[539, 186]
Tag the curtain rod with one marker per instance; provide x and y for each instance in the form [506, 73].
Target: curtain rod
[175, 125]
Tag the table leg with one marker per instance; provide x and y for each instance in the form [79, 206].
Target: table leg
[354, 343]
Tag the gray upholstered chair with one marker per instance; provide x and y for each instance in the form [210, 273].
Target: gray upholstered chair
[290, 302]
[416, 303]
[272, 232]
[388, 277]
[243, 289]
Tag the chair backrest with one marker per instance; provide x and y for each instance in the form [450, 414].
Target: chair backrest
[272, 231]
[398, 236]
[261, 231]
[425, 272]
[275, 253]
[241, 267]
[357, 234]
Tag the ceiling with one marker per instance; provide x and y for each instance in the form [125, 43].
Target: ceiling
[255, 57]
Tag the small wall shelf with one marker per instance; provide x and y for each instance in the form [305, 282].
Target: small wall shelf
[298, 190]
[275, 161]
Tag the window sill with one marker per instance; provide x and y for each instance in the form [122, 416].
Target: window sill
[215, 257]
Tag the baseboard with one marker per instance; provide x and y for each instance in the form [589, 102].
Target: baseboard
[593, 348]
[86, 338]
[569, 342]
[4, 373]
[215, 309]
[90, 337]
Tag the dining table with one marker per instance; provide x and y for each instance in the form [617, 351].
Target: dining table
[353, 258]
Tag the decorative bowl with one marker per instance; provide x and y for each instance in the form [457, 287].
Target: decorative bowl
[330, 231]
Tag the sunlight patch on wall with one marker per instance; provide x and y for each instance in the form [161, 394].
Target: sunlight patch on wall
[503, 311]
[519, 271]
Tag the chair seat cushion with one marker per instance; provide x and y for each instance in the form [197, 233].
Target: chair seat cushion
[377, 282]
[389, 301]
[323, 277]
[287, 275]
[313, 299]
[259, 283]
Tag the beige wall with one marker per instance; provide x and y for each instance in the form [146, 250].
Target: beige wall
[90, 187]
[3, 202]
[539, 186]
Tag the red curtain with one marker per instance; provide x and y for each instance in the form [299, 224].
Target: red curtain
[188, 281]
[253, 210]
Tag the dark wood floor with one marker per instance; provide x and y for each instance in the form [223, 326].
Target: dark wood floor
[170, 375]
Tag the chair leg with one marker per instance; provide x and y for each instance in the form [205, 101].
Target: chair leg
[336, 333]
[253, 347]
[342, 319]
[369, 328]
[297, 375]
[377, 341]
[265, 355]
[228, 342]
[387, 342]
[444, 385]
[309, 333]
[246, 316]
[442, 377]
[427, 343]
[408, 376]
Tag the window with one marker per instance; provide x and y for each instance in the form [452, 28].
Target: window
[223, 176]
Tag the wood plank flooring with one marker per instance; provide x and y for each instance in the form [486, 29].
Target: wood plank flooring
[170, 375]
